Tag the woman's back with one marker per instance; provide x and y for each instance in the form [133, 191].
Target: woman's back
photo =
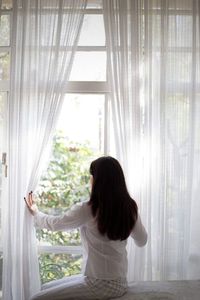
[104, 258]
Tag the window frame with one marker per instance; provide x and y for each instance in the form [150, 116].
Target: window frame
[82, 87]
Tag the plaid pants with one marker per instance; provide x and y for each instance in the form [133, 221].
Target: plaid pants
[81, 287]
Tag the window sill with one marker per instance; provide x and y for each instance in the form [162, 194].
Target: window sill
[61, 249]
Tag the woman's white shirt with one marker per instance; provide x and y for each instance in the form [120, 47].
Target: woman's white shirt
[103, 258]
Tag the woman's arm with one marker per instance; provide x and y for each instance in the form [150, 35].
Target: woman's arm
[139, 233]
[73, 218]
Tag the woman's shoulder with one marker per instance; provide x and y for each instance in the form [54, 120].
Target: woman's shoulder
[82, 207]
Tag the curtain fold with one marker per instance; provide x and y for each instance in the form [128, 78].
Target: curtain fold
[44, 36]
[153, 66]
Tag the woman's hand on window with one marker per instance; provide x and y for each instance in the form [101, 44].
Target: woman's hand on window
[30, 202]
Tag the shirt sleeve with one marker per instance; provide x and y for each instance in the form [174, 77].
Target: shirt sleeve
[139, 233]
[73, 218]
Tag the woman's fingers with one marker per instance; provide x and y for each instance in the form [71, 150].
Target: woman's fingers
[30, 202]
[30, 206]
[30, 198]
[27, 203]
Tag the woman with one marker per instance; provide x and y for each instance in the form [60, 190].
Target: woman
[105, 221]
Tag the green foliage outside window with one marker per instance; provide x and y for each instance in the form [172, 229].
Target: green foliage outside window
[56, 266]
[66, 182]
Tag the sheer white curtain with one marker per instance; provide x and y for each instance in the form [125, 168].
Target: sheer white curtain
[153, 61]
[44, 38]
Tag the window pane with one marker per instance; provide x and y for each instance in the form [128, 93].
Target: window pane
[92, 33]
[78, 140]
[180, 4]
[179, 31]
[177, 110]
[94, 4]
[180, 28]
[5, 30]
[179, 67]
[56, 266]
[89, 66]
[49, 27]
[82, 119]
[4, 65]
[6, 4]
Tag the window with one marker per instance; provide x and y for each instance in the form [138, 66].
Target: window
[174, 103]
[79, 138]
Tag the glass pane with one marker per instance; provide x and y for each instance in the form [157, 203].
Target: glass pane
[180, 31]
[4, 65]
[6, 4]
[94, 4]
[92, 32]
[56, 266]
[78, 113]
[89, 66]
[173, 5]
[49, 26]
[156, 31]
[179, 67]
[178, 108]
[5, 30]
[78, 140]
[180, 4]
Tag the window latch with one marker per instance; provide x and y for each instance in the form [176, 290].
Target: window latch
[4, 162]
